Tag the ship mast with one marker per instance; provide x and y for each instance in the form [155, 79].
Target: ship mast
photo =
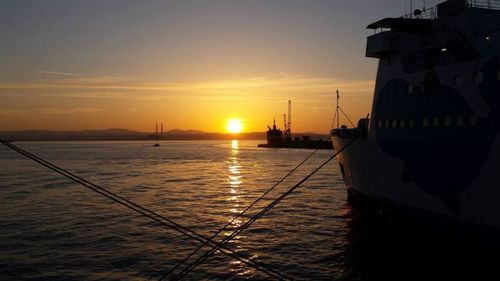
[337, 112]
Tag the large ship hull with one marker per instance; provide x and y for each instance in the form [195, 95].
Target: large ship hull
[372, 174]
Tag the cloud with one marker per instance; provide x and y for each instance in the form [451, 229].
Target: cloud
[61, 73]
[275, 87]
[46, 110]
[13, 112]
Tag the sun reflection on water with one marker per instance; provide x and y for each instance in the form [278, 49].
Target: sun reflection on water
[235, 181]
[234, 145]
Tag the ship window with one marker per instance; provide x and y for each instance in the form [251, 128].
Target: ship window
[478, 77]
[473, 120]
[457, 80]
[380, 122]
[425, 122]
[435, 121]
[410, 88]
[387, 123]
[460, 121]
[411, 123]
[402, 123]
[394, 123]
[447, 121]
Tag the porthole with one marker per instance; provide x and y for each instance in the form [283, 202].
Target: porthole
[387, 123]
[394, 123]
[380, 123]
[473, 120]
[435, 121]
[460, 121]
[411, 88]
[478, 77]
[457, 80]
[447, 121]
[425, 122]
[402, 123]
[411, 123]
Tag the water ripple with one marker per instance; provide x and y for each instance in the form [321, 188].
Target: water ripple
[53, 229]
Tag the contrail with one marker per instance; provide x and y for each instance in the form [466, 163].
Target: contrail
[61, 73]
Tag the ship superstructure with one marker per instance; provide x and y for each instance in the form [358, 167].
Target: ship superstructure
[432, 143]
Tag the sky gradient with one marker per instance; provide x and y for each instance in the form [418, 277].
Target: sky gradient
[192, 64]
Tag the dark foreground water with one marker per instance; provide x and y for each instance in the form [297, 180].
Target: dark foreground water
[53, 229]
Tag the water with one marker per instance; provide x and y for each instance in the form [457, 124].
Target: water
[53, 229]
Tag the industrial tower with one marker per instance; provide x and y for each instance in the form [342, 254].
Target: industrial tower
[287, 136]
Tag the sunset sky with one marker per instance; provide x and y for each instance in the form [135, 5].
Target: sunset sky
[192, 64]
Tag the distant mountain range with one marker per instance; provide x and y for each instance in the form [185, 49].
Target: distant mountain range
[123, 134]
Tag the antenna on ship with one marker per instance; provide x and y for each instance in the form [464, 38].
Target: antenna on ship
[411, 8]
[161, 132]
[337, 111]
[156, 134]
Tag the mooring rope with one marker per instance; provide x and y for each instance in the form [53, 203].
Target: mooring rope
[145, 212]
[238, 216]
[346, 116]
[202, 258]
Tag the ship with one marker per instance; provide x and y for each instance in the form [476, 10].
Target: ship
[431, 146]
[277, 138]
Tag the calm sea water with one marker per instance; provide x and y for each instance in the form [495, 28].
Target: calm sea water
[53, 229]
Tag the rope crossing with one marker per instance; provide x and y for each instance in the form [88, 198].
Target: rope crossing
[236, 217]
[145, 212]
[214, 246]
[213, 249]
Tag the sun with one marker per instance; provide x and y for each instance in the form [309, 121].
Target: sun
[234, 126]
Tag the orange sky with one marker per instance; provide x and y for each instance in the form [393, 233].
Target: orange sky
[100, 103]
[187, 63]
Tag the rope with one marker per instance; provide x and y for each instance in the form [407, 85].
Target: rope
[341, 110]
[202, 258]
[143, 211]
[239, 215]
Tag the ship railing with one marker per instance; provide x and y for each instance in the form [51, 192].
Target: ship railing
[350, 133]
[432, 13]
[484, 4]
[424, 13]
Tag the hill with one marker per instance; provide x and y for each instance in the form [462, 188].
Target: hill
[124, 134]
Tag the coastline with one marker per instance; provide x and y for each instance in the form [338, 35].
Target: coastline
[126, 135]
